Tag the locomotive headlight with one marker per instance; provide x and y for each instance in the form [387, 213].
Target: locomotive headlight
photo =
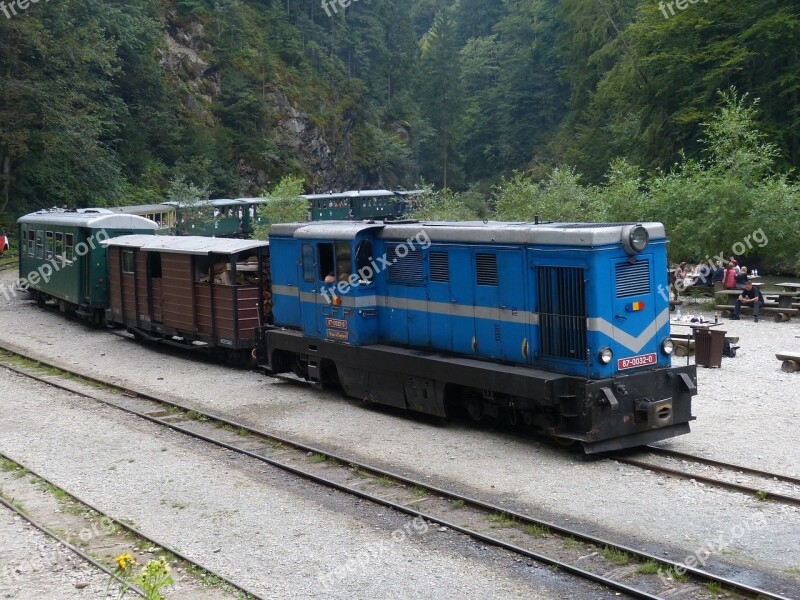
[606, 355]
[635, 238]
[667, 346]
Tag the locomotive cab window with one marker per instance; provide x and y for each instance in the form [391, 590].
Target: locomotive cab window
[325, 260]
[308, 262]
[344, 261]
[363, 260]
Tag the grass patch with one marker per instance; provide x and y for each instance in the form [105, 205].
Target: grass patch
[334, 462]
[503, 520]
[618, 557]
[535, 530]
[419, 492]
[714, 587]
[793, 570]
[7, 465]
[242, 432]
[456, 504]
[762, 495]
[649, 568]
[678, 576]
[316, 458]
[385, 481]
[193, 415]
[570, 542]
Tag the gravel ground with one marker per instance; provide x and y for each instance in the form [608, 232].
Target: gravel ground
[746, 412]
[34, 566]
[281, 537]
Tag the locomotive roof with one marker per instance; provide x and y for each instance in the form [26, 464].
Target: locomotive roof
[189, 244]
[577, 234]
[94, 219]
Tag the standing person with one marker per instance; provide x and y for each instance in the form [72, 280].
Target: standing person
[751, 296]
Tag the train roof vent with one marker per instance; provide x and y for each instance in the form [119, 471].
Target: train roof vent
[486, 265]
[633, 279]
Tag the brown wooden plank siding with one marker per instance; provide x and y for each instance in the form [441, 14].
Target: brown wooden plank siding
[142, 304]
[176, 291]
[114, 273]
[158, 313]
[226, 311]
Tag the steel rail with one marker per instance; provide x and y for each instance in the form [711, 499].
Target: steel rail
[718, 463]
[66, 544]
[485, 506]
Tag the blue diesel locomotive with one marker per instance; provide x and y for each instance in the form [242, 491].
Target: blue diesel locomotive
[558, 328]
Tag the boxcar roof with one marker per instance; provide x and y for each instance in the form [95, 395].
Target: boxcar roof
[190, 244]
[92, 219]
[576, 234]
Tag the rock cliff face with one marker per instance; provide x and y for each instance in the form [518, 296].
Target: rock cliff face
[186, 58]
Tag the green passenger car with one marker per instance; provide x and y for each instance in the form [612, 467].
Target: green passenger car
[62, 258]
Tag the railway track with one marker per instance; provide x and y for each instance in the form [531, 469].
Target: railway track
[763, 485]
[103, 538]
[585, 556]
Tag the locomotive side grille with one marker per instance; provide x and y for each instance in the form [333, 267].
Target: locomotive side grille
[407, 268]
[562, 312]
[486, 265]
[633, 279]
[440, 267]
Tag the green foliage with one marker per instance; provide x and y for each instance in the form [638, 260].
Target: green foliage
[285, 205]
[445, 205]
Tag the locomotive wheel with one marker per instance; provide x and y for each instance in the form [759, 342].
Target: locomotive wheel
[474, 408]
[564, 442]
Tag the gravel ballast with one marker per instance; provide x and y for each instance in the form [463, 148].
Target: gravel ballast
[747, 413]
[267, 530]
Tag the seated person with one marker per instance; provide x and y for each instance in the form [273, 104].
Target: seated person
[742, 278]
[750, 296]
[719, 272]
[703, 275]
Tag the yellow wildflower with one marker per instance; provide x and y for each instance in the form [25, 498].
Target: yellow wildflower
[123, 560]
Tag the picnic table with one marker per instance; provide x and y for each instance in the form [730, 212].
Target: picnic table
[790, 287]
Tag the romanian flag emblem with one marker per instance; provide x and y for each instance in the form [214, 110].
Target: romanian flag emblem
[634, 306]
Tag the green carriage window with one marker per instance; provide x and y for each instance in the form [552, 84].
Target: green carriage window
[127, 261]
[48, 246]
[30, 240]
[69, 244]
[59, 243]
[39, 244]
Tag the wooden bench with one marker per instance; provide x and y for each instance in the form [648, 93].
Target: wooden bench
[781, 314]
[784, 299]
[790, 361]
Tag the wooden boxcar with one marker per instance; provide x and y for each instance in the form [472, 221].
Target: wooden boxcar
[62, 258]
[195, 291]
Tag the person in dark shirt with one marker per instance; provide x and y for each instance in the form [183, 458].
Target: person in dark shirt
[750, 296]
[719, 272]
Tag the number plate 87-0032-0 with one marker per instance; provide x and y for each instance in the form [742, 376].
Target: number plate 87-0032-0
[637, 361]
